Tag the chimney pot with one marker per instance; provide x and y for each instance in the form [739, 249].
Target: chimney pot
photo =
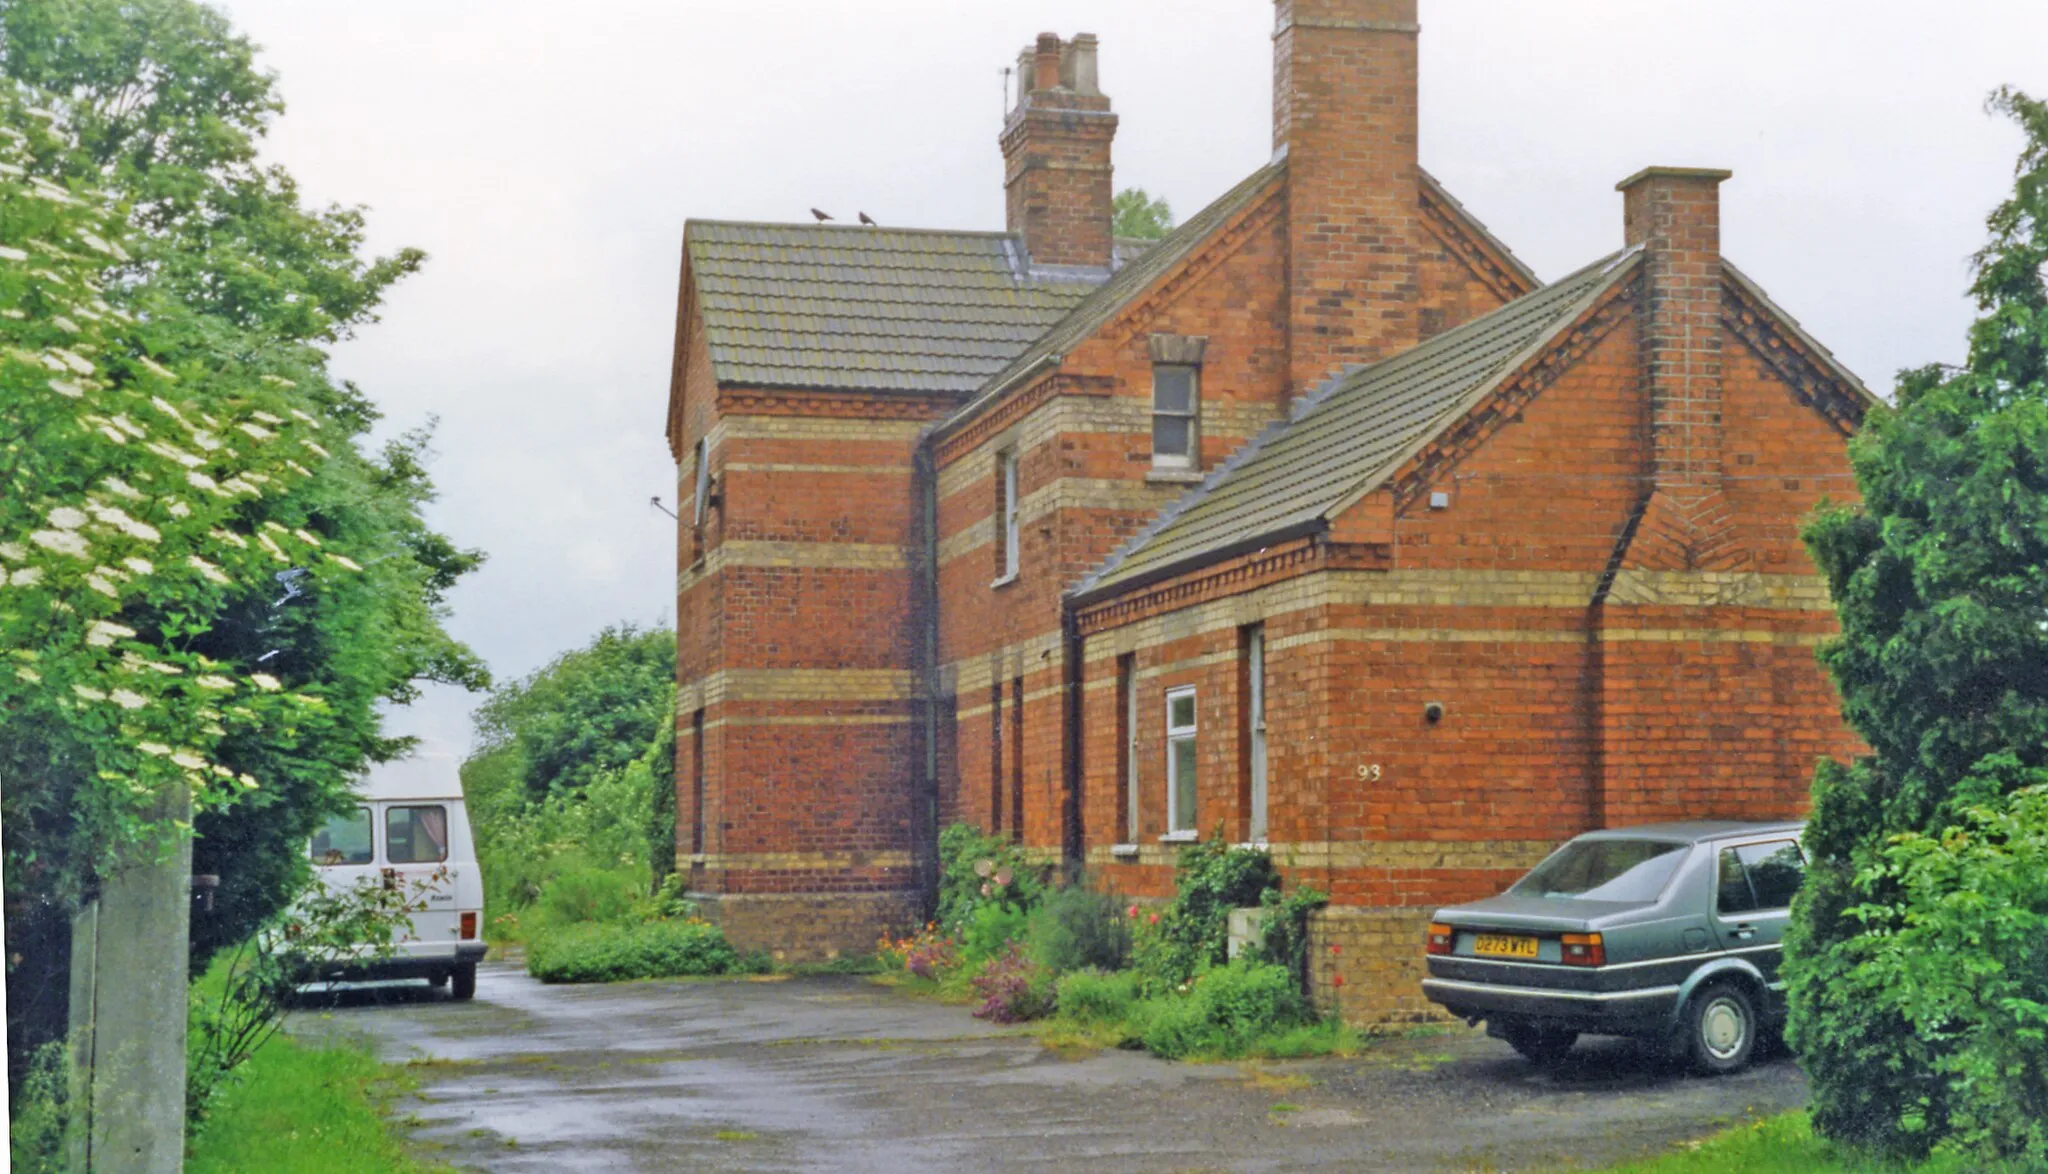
[1046, 69]
[1077, 65]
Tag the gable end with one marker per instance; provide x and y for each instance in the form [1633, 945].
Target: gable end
[1813, 374]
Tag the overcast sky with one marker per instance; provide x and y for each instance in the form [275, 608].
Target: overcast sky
[546, 155]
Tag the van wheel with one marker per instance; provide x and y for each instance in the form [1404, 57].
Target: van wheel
[465, 981]
[1720, 1029]
[1541, 1045]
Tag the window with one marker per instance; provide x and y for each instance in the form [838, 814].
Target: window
[416, 835]
[1127, 745]
[1604, 870]
[344, 839]
[697, 783]
[1254, 711]
[1176, 398]
[1180, 760]
[1760, 877]
[1006, 515]
[703, 480]
[1017, 758]
[995, 756]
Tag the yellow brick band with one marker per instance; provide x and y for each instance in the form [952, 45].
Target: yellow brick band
[796, 685]
[851, 556]
[1397, 855]
[795, 861]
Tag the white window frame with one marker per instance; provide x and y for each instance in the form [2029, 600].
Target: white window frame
[1255, 723]
[703, 480]
[1007, 519]
[1181, 740]
[1191, 459]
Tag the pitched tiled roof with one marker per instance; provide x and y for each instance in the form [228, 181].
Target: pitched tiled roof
[1130, 280]
[1351, 435]
[870, 309]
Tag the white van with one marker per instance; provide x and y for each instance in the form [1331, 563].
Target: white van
[409, 829]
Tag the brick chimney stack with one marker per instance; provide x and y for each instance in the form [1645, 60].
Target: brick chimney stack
[1675, 214]
[1056, 170]
[1345, 77]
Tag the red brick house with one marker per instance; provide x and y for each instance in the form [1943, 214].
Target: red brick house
[1321, 523]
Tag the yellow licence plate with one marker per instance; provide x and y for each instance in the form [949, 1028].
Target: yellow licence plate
[1504, 945]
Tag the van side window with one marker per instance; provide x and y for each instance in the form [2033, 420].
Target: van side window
[343, 839]
[416, 835]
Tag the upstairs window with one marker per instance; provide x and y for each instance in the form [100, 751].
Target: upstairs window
[1176, 405]
[1180, 760]
[703, 499]
[1006, 515]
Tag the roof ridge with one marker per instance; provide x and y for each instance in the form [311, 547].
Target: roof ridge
[864, 229]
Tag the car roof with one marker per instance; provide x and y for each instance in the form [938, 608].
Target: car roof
[1693, 831]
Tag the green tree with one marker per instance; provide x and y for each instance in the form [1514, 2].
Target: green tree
[1916, 962]
[587, 712]
[162, 105]
[1137, 216]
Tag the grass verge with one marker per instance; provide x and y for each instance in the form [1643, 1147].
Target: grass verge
[1785, 1144]
[295, 1108]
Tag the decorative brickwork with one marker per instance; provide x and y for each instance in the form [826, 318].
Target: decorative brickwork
[1569, 593]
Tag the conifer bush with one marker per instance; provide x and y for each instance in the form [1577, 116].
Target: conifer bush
[1915, 962]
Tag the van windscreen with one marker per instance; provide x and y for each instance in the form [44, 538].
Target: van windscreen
[343, 839]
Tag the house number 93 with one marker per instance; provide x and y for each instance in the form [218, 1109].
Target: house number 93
[1369, 771]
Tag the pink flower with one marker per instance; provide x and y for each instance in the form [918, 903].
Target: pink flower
[1155, 919]
[1334, 950]
[1337, 981]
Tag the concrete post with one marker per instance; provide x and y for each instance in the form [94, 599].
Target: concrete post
[128, 1008]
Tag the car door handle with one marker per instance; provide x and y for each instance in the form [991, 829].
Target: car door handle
[1743, 932]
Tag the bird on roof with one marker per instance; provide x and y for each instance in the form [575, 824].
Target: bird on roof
[822, 216]
[868, 220]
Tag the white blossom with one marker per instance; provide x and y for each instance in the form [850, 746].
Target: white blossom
[64, 324]
[202, 481]
[303, 417]
[315, 449]
[140, 566]
[114, 434]
[103, 633]
[61, 541]
[266, 417]
[248, 781]
[75, 362]
[179, 509]
[265, 682]
[230, 537]
[277, 381]
[28, 674]
[276, 552]
[14, 551]
[307, 537]
[100, 584]
[154, 368]
[66, 518]
[11, 253]
[189, 760]
[209, 570]
[88, 692]
[171, 453]
[121, 488]
[67, 389]
[346, 561]
[128, 699]
[213, 681]
[27, 577]
[156, 748]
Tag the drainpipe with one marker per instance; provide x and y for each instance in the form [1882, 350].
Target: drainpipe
[925, 612]
[1070, 748]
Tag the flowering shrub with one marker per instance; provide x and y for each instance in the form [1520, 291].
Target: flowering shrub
[1013, 988]
[976, 870]
[925, 953]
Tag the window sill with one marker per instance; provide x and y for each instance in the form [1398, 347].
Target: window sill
[1005, 581]
[1189, 836]
[694, 858]
[1124, 851]
[1175, 477]
[1252, 846]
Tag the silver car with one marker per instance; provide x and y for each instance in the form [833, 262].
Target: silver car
[1670, 932]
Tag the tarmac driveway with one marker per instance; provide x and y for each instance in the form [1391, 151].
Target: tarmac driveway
[838, 1074]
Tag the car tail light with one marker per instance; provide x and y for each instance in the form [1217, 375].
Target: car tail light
[469, 927]
[1584, 949]
[1439, 939]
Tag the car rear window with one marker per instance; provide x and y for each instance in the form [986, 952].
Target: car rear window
[1604, 870]
[344, 839]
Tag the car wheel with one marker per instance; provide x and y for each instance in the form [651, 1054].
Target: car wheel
[465, 981]
[1541, 1045]
[1721, 1028]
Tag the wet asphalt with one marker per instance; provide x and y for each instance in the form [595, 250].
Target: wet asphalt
[839, 1074]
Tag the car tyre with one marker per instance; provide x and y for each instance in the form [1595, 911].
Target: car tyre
[465, 981]
[1720, 1029]
[1540, 1045]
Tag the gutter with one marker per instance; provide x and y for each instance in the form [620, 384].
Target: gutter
[974, 406]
